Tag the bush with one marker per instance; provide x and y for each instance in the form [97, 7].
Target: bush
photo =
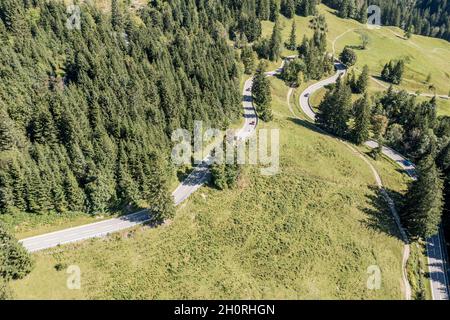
[60, 266]
[15, 261]
[348, 57]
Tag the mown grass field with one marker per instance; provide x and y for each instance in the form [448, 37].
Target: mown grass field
[423, 55]
[306, 233]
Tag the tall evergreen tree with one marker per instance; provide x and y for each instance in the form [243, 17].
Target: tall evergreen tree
[275, 43]
[424, 201]
[363, 80]
[248, 59]
[334, 110]
[361, 130]
[116, 15]
[160, 200]
[292, 43]
[261, 93]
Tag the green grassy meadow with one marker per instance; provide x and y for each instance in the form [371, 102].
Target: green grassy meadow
[423, 55]
[306, 233]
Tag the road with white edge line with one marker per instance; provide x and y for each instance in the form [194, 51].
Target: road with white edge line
[196, 179]
[200, 175]
[435, 251]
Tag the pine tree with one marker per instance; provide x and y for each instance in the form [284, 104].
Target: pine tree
[6, 193]
[225, 175]
[7, 134]
[386, 72]
[160, 200]
[292, 44]
[287, 8]
[273, 10]
[74, 194]
[362, 16]
[261, 93]
[116, 15]
[248, 59]
[397, 72]
[361, 130]
[16, 174]
[422, 212]
[264, 9]
[363, 80]
[334, 110]
[99, 192]
[275, 43]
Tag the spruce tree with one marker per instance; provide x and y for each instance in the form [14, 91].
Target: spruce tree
[292, 44]
[264, 9]
[7, 134]
[6, 193]
[422, 212]
[334, 110]
[74, 194]
[116, 15]
[273, 10]
[159, 198]
[261, 93]
[363, 80]
[362, 16]
[361, 130]
[248, 59]
[275, 43]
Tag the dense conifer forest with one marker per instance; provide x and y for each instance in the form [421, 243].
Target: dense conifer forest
[86, 115]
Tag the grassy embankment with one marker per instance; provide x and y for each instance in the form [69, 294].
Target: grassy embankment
[309, 232]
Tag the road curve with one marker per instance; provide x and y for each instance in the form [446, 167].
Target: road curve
[435, 254]
[192, 183]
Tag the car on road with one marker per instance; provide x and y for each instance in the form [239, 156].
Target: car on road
[407, 163]
[252, 123]
[307, 95]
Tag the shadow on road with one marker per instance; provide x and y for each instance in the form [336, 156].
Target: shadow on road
[247, 98]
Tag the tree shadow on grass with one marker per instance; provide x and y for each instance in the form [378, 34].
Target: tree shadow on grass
[309, 125]
[380, 217]
[313, 127]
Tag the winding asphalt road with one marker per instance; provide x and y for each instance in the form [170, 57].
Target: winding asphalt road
[435, 253]
[196, 179]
